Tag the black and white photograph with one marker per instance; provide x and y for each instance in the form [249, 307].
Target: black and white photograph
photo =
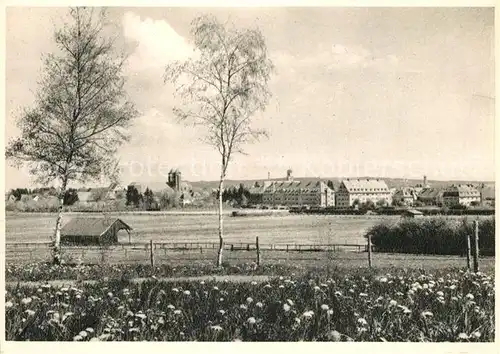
[249, 174]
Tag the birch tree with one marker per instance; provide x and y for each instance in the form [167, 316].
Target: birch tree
[81, 112]
[221, 88]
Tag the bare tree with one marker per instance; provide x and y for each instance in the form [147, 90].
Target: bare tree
[81, 112]
[222, 87]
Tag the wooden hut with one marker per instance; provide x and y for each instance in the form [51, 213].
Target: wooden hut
[93, 231]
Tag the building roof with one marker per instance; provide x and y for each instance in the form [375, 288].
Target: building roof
[91, 226]
[461, 190]
[404, 192]
[430, 193]
[364, 185]
[295, 186]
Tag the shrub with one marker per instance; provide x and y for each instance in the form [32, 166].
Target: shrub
[436, 235]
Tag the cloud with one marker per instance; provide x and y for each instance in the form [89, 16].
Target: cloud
[157, 42]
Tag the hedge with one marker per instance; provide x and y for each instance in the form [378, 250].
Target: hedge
[432, 235]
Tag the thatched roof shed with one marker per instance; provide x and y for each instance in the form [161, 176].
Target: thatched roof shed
[95, 231]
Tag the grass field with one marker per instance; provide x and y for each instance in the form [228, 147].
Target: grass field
[203, 228]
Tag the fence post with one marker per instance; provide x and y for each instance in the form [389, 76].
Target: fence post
[258, 250]
[151, 253]
[476, 246]
[469, 256]
[369, 250]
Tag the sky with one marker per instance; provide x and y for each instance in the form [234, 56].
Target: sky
[385, 92]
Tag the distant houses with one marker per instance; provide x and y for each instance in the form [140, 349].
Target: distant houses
[355, 190]
[404, 196]
[292, 193]
[431, 196]
[461, 194]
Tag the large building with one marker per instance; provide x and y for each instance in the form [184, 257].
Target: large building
[431, 196]
[292, 193]
[404, 196]
[462, 194]
[362, 190]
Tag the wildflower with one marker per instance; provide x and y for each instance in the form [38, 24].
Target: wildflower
[316, 288]
[187, 292]
[140, 315]
[26, 300]
[161, 320]
[290, 302]
[297, 320]
[281, 287]
[177, 312]
[175, 290]
[476, 334]
[243, 307]
[334, 336]
[325, 307]
[216, 288]
[202, 282]
[393, 303]
[222, 312]
[383, 280]
[469, 296]
[329, 312]
[77, 338]
[64, 290]
[440, 293]
[110, 294]
[216, 328]
[249, 300]
[267, 286]
[8, 304]
[362, 321]
[254, 283]
[251, 320]
[426, 314]
[89, 330]
[452, 287]
[463, 336]
[30, 312]
[83, 334]
[221, 299]
[171, 307]
[286, 307]
[362, 295]
[308, 314]
[259, 304]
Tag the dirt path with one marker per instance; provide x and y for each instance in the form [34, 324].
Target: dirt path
[216, 278]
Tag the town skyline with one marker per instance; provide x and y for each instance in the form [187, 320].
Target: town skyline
[388, 93]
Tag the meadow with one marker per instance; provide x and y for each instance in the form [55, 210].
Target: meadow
[25, 227]
[328, 305]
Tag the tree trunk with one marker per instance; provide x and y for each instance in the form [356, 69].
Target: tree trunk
[57, 232]
[221, 234]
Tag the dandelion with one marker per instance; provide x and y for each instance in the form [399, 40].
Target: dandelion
[249, 300]
[89, 330]
[463, 336]
[267, 286]
[452, 287]
[222, 312]
[362, 321]
[259, 304]
[251, 320]
[26, 301]
[383, 280]
[329, 312]
[171, 307]
[308, 314]
[290, 302]
[297, 320]
[469, 296]
[281, 287]
[363, 295]
[30, 312]
[187, 292]
[177, 312]
[440, 293]
[110, 294]
[77, 338]
[426, 314]
[316, 288]
[216, 328]
[8, 304]
[175, 290]
[334, 336]
[243, 307]
[83, 334]
[325, 307]
[393, 303]
[216, 288]
[140, 315]
[254, 283]
[161, 320]
[476, 334]
[286, 307]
